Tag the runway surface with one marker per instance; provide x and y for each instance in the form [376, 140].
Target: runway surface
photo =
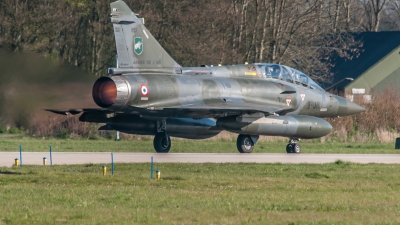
[58, 158]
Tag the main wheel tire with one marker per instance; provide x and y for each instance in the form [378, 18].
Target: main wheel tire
[244, 144]
[296, 148]
[289, 148]
[162, 142]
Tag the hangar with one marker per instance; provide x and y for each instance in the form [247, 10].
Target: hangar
[376, 68]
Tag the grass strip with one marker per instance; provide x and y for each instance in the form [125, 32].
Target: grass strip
[186, 146]
[336, 193]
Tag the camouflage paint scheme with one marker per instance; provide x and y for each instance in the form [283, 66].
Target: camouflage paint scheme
[149, 93]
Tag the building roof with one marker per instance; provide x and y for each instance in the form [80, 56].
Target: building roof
[375, 46]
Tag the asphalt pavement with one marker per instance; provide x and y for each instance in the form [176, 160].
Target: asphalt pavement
[59, 158]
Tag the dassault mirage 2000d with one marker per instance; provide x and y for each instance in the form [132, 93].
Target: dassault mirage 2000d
[150, 94]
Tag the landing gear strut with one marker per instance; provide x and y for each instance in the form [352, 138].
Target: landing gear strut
[245, 143]
[293, 147]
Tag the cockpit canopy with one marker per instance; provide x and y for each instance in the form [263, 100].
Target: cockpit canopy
[288, 74]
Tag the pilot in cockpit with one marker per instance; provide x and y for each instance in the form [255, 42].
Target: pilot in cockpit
[275, 71]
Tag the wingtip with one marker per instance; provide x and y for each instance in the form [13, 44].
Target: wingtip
[65, 112]
[56, 111]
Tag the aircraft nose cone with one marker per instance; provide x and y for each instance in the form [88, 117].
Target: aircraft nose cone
[353, 108]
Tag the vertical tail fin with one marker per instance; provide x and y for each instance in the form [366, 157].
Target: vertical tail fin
[136, 47]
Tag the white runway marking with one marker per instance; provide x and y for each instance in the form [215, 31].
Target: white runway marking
[36, 158]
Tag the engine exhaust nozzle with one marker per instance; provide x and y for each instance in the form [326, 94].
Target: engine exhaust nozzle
[111, 92]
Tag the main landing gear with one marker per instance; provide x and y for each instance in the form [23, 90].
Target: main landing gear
[162, 141]
[293, 147]
[245, 143]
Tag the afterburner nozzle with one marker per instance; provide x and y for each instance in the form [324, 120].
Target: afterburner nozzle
[111, 92]
[104, 92]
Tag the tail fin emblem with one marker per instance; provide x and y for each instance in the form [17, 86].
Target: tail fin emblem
[138, 45]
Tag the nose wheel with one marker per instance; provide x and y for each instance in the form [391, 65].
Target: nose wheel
[162, 142]
[293, 147]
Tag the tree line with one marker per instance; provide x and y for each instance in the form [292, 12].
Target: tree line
[299, 33]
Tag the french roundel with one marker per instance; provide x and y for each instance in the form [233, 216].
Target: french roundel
[144, 90]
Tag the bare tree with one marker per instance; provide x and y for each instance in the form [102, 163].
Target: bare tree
[373, 10]
[294, 32]
[393, 14]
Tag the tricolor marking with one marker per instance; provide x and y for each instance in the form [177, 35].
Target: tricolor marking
[144, 90]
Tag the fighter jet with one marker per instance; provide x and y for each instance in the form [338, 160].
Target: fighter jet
[149, 93]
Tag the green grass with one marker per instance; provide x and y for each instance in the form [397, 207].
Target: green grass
[336, 193]
[181, 145]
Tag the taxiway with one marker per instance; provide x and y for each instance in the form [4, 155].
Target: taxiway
[58, 158]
